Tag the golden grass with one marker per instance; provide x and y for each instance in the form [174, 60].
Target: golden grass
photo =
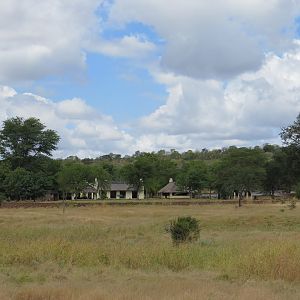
[124, 253]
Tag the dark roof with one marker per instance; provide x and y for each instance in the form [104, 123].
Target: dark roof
[115, 186]
[90, 189]
[171, 187]
[257, 194]
[120, 186]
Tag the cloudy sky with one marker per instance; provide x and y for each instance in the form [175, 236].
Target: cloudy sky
[126, 75]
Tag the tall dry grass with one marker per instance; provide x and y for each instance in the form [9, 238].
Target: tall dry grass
[38, 246]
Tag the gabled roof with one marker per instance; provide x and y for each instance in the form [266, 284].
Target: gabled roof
[114, 186]
[89, 189]
[171, 187]
[119, 186]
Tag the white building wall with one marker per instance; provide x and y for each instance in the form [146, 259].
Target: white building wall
[141, 194]
[128, 194]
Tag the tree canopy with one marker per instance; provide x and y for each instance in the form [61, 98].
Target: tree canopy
[290, 135]
[27, 170]
[241, 170]
[23, 140]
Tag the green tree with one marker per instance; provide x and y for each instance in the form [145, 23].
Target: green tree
[290, 135]
[4, 172]
[22, 141]
[149, 170]
[192, 177]
[74, 178]
[298, 191]
[102, 179]
[281, 170]
[19, 184]
[241, 170]
[211, 177]
[134, 175]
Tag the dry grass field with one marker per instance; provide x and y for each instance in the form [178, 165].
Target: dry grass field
[93, 253]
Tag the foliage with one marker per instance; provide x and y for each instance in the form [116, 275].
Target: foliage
[26, 145]
[184, 229]
[4, 171]
[290, 135]
[298, 191]
[74, 178]
[102, 179]
[241, 170]
[292, 204]
[22, 184]
[193, 177]
[22, 141]
[2, 197]
[150, 171]
[278, 174]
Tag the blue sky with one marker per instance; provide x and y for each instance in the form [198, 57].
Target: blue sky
[114, 86]
[127, 75]
[117, 86]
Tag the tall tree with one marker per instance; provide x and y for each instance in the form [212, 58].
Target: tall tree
[74, 178]
[149, 170]
[241, 170]
[282, 170]
[22, 141]
[193, 177]
[102, 179]
[290, 135]
[4, 172]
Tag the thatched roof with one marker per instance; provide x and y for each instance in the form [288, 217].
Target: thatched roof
[171, 187]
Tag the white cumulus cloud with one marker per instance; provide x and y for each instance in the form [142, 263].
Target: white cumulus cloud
[84, 131]
[249, 109]
[52, 38]
[217, 38]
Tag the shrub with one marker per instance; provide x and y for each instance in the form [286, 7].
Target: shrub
[292, 204]
[184, 229]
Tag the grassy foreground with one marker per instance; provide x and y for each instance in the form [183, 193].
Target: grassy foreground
[251, 252]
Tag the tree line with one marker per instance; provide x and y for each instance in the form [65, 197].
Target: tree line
[28, 171]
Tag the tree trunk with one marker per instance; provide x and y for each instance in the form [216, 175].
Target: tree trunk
[64, 203]
[272, 193]
[240, 199]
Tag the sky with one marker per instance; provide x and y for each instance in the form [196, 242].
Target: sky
[126, 75]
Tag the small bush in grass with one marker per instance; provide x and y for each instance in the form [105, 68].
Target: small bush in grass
[292, 204]
[184, 229]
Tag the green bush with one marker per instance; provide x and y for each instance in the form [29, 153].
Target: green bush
[292, 204]
[184, 229]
